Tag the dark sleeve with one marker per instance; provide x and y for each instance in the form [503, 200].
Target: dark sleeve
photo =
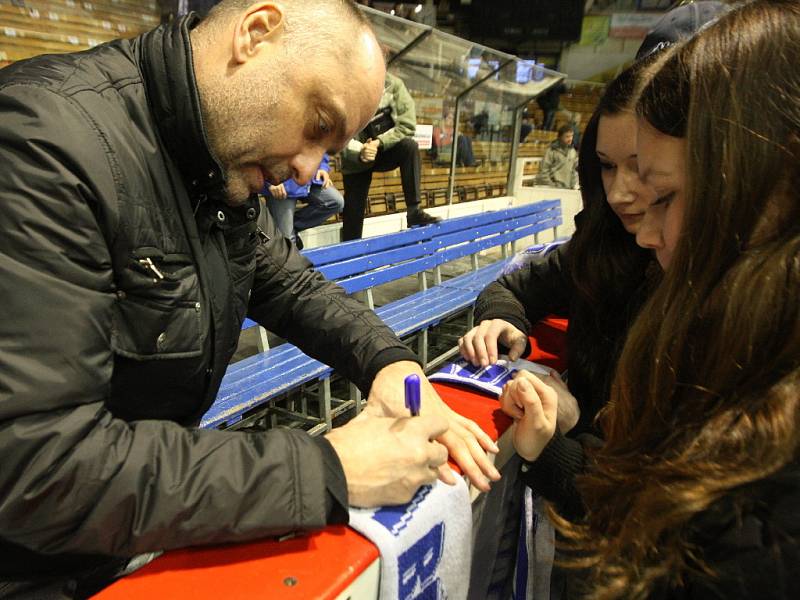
[292, 299]
[553, 474]
[529, 294]
[336, 502]
[74, 478]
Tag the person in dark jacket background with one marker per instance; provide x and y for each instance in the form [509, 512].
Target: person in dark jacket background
[549, 102]
[129, 257]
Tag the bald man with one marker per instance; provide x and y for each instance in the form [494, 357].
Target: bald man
[129, 256]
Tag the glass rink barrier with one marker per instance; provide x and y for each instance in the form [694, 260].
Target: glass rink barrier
[469, 101]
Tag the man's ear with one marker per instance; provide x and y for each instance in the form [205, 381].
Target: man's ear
[258, 26]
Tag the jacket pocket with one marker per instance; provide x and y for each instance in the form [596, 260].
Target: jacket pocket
[158, 309]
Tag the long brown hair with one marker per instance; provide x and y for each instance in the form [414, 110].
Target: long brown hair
[705, 400]
[607, 268]
[606, 263]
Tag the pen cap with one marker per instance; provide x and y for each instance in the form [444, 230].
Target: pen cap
[412, 394]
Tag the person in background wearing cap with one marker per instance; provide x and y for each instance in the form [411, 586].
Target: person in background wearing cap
[679, 24]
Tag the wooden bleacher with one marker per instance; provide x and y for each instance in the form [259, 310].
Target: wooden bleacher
[487, 180]
[32, 27]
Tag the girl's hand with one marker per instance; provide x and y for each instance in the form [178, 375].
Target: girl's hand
[534, 407]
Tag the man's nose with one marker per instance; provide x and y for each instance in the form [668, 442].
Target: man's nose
[304, 165]
[650, 230]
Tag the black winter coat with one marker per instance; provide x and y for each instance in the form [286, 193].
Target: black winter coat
[750, 539]
[124, 280]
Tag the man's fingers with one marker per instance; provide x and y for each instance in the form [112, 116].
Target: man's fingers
[469, 438]
[480, 457]
[463, 458]
[484, 439]
[446, 474]
[437, 454]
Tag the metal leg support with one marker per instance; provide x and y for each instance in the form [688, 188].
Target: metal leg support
[262, 342]
[355, 394]
[423, 347]
[325, 402]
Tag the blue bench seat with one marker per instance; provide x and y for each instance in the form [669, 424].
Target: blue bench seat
[360, 265]
[254, 380]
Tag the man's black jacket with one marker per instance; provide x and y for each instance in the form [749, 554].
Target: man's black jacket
[125, 279]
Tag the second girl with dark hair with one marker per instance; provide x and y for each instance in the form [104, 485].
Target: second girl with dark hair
[599, 279]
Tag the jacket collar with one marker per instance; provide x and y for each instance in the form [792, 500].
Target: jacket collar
[166, 62]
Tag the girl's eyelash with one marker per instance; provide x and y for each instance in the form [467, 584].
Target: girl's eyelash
[665, 199]
[605, 165]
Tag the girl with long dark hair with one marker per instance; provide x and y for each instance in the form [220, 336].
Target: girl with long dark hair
[695, 491]
[598, 279]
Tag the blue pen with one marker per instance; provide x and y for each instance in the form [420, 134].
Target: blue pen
[413, 399]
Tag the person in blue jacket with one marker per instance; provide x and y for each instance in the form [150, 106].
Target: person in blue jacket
[321, 199]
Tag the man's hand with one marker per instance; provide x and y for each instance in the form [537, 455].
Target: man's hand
[479, 344]
[324, 177]
[533, 405]
[369, 151]
[466, 442]
[277, 191]
[386, 460]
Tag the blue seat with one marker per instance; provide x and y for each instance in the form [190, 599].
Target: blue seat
[359, 266]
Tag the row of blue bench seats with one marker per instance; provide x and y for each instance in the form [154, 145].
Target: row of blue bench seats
[360, 265]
